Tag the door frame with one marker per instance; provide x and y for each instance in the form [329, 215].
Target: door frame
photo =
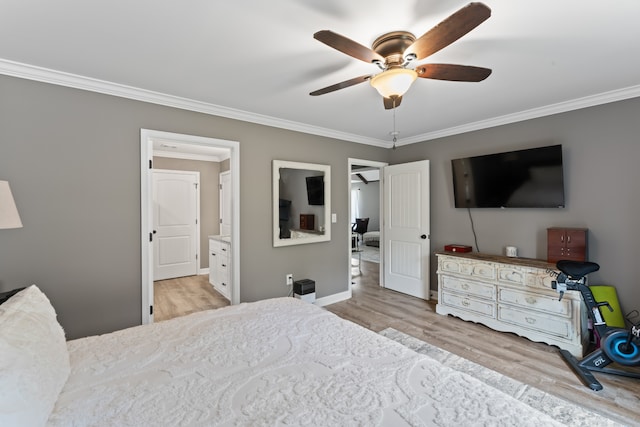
[374, 164]
[146, 210]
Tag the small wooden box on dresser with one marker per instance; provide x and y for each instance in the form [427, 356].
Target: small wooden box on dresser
[511, 295]
[220, 265]
[566, 243]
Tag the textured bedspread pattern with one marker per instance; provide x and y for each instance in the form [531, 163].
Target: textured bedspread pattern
[273, 362]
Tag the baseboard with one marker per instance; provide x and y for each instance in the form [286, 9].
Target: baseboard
[203, 271]
[433, 295]
[332, 299]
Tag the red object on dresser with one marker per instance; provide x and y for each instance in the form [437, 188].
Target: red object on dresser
[457, 248]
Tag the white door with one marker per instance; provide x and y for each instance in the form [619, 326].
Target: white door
[175, 218]
[225, 203]
[406, 228]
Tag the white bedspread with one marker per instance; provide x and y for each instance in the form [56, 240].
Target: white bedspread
[273, 362]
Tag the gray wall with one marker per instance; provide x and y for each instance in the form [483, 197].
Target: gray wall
[601, 165]
[73, 161]
[209, 196]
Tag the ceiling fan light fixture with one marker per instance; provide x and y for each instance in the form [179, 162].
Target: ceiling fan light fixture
[394, 82]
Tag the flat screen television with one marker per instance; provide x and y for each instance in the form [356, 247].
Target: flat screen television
[315, 190]
[531, 178]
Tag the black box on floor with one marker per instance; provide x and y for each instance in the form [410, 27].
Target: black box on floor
[304, 286]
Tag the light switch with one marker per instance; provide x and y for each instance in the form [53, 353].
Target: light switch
[334, 218]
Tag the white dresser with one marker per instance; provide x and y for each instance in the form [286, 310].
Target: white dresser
[220, 264]
[511, 295]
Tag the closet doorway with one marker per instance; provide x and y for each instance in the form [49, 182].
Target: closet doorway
[152, 143]
[365, 221]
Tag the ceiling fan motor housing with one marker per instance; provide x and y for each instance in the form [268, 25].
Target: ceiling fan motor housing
[392, 45]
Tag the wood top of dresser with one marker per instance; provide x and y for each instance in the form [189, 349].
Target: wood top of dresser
[527, 262]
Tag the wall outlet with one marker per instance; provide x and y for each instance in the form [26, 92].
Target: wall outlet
[289, 279]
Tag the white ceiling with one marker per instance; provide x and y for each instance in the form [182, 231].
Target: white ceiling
[257, 60]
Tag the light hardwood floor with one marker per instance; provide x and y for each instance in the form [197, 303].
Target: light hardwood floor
[536, 364]
[184, 295]
[376, 308]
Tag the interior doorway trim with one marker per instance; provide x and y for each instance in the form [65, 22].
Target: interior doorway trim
[146, 210]
[373, 164]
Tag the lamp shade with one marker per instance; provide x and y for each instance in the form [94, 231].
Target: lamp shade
[9, 217]
[394, 82]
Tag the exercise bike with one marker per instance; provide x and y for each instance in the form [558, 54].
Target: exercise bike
[616, 344]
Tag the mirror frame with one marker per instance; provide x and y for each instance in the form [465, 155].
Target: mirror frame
[326, 169]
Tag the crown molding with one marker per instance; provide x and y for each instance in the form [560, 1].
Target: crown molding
[60, 78]
[534, 113]
[31, 72]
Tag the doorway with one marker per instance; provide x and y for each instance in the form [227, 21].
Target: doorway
[404, 239]
[365, 203]
[149, 142]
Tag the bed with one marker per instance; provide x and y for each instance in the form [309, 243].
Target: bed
[274, 362]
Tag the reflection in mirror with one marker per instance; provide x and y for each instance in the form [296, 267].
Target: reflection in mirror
[301, 203]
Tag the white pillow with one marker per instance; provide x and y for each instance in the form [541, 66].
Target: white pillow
[34, 361]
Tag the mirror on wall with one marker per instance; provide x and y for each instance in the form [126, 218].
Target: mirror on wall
[301, 203]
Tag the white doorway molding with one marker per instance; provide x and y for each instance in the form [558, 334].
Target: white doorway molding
[147, 137]
[370, 164]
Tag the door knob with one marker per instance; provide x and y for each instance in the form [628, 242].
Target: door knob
[424, 236]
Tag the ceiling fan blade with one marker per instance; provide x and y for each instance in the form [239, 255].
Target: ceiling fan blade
[456, 73]
[341, 85]
[348, 46]
[449, 30]
[389, 104]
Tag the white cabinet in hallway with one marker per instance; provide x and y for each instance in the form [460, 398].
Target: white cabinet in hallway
[220, 264]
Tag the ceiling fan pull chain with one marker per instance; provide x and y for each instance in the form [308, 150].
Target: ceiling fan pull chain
[394, 133]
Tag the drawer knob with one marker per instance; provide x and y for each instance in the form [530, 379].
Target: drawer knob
[464, 286]
[465, 303]
[530, 320]
[530, 300]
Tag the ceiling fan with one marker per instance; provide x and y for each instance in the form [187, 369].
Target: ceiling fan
[394, 52]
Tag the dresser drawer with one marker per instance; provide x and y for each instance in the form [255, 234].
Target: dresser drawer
[479, 289]
[545, 324]
[463, 267]
[214, 245]
[529, 301]
[449, 265]
[225, 248]
[223, 288]
[511, 275]
[539, 280]
[479, 270]
[467, 304]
